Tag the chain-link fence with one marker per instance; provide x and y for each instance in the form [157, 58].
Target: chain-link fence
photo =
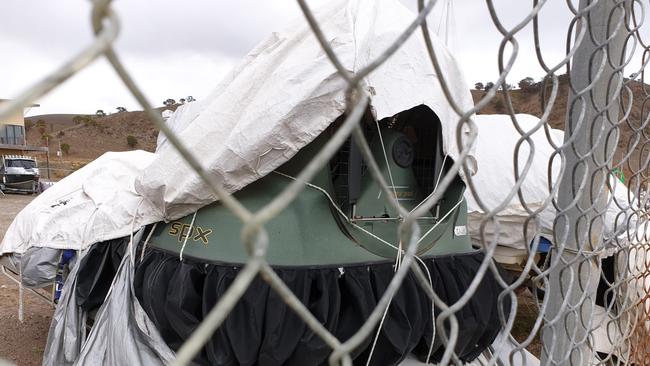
[605, 133]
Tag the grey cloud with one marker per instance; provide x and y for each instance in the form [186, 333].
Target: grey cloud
[148, 27]
[165, 32]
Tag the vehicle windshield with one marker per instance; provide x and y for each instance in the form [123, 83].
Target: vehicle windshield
[21, 163]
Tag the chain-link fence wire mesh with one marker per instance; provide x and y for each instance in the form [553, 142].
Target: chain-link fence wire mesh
[605, 129]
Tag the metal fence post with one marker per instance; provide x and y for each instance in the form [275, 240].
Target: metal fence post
[583, 195]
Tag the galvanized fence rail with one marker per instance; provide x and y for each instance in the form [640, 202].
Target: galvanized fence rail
[604, 43]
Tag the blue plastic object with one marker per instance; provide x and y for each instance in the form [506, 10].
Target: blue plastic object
[66, 257]
[544, 245]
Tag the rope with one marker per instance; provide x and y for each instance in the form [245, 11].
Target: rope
[383, 149]
[400, 252]
[435, 187]
[146, 241]
[189, 233]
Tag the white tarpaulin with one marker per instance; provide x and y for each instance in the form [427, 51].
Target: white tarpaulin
[286, 92]
[96, 203]
[495, 179]
[283, 95]
[178, 120]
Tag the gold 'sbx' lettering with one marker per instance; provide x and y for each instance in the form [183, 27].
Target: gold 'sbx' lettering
[182, 231]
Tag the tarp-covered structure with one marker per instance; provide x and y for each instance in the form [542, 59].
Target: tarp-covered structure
[95, 203]
[283, 95]
[495, 179]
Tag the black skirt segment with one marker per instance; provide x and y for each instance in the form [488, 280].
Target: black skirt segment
[263, 330]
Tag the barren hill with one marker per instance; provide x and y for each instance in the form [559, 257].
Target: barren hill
[530, 101]
[94, 135]
[54, 121]
[89, 136]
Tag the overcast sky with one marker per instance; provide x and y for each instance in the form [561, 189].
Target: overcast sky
[180, 48]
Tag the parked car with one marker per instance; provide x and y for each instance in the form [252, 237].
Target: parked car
[19, 173]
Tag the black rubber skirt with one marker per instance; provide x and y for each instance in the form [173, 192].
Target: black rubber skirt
[263, 330]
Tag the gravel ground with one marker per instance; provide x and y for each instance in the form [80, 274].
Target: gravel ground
[20, 343]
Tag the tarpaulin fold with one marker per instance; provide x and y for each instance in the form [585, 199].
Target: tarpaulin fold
[122, 334]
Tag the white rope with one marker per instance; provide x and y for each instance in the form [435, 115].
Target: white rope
[434, 187]
[462, 198]
[433, 310]
[21, 295]
[189, 233]
[383, 149]
[135, 216]
[381, 324]
[336, 207]
[146, 241]
[400, 251]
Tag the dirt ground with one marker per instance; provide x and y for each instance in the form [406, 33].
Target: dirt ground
[20, 343]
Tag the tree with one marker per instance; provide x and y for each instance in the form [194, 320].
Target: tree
[65, 148]
[489, 85]
[190, 99]
[131, 140]
[479, 86]
[526, 83]
[181, 101]
[100, 113]
[40, 124]
[169, 102]
[120, 109]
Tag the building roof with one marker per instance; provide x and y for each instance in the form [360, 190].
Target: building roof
[26, 106]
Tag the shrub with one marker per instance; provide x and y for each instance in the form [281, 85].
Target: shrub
[60, 134]
[131, 140]
[65, 148]
[86, 120]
